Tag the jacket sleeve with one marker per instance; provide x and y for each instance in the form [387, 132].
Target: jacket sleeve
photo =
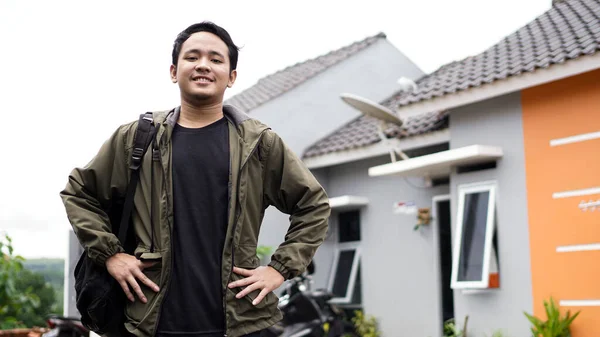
[292, 188]
[88, 195]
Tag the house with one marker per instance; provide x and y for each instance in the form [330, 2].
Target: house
[500, 150]
[297, 102]
[300, 102]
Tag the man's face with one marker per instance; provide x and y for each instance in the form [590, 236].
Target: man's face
[202, 70]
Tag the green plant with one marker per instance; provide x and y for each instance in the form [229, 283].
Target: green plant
[451, 330]
[14, 302]
[49, 302]
[263, 251]
[366, 325]
[498, 333]
[555, 324]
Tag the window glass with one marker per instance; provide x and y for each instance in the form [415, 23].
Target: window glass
[357, 291]
[349, 226]
[342, 273]
[474, 227]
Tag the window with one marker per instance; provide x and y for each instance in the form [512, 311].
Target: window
[349, 226]
[474, 253]
[344, 281]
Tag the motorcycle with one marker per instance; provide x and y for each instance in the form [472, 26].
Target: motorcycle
[308, 313]
[65, 327]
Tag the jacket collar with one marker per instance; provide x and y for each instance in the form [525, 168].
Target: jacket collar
[248, 129]
[232, 113]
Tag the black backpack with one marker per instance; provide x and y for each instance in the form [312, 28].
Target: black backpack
[99, 298]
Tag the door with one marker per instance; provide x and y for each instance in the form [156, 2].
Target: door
[443, 256]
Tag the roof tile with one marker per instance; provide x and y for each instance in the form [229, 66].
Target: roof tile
[568, 30]
[274, 85]
[363, 131]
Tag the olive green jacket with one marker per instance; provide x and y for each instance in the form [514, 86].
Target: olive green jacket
[263, 172]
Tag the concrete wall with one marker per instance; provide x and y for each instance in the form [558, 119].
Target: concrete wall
[69, 301]
[564, 108]
[498, 122]
[314, 109]
[399, 284]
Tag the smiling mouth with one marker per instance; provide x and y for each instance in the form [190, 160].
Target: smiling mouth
[202, 80]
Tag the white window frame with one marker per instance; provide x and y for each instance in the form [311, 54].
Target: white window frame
[346, 246]
[463, 190]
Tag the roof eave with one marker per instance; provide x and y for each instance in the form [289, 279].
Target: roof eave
[377, 149]
[501, 87]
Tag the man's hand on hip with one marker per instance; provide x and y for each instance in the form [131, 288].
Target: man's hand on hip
[126, 269]
[265, 278]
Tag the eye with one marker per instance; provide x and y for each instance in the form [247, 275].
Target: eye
[191, 58]
[217, 61]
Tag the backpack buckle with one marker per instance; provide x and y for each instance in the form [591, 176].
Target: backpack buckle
[136, 157]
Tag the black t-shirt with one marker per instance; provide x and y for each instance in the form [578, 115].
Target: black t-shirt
[193, 305]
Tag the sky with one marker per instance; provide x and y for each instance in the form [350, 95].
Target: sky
[71, 72]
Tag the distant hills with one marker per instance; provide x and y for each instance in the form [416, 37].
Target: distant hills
[53, 271]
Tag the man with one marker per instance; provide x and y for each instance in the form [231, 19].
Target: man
[199, 206]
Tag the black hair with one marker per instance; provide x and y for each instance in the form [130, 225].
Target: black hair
[206, 26]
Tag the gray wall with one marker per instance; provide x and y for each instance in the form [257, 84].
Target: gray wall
[398, 271]
[498, 122]
[314, 109]
[75, 251]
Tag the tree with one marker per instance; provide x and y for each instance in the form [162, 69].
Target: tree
[14, 303]
[35, 283]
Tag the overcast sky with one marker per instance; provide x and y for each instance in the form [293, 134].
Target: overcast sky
[73, 71]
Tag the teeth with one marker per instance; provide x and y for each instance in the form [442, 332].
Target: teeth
[202, 80]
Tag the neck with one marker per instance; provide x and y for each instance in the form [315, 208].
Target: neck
[197, 117]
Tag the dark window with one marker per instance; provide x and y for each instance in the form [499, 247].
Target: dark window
[476, 167]
[474, 229]
[357, 291]
[445, 243]
[342, 273]
[349, 226]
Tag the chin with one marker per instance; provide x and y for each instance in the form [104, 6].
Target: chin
[204, 97]
[200, 94]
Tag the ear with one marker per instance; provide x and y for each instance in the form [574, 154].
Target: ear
[232, 77]
[173, 71]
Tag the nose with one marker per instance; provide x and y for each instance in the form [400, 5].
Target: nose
[202, 65]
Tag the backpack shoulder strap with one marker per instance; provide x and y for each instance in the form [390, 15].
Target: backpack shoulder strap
[143, 137]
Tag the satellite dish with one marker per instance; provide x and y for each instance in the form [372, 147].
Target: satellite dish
[371, 109]
[407, 85]
[379, 112]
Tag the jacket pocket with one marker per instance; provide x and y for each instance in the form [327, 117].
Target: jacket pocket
[245, 257]
[244, 305]
[137, 310]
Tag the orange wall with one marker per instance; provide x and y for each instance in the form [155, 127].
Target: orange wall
[561, 109]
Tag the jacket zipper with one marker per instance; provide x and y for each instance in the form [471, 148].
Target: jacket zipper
[237, 215]
[168, 283]
[229, 187]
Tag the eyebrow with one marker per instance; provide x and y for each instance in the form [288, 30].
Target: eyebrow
[198, 51]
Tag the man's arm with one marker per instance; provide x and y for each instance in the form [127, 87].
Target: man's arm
[86, 197]
[88, 193]
[292, 188]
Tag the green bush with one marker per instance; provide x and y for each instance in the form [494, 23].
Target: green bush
[15, 303]
[366, 325]
[498, 333]
[49, 300]
[263, 251]
[555, 324]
